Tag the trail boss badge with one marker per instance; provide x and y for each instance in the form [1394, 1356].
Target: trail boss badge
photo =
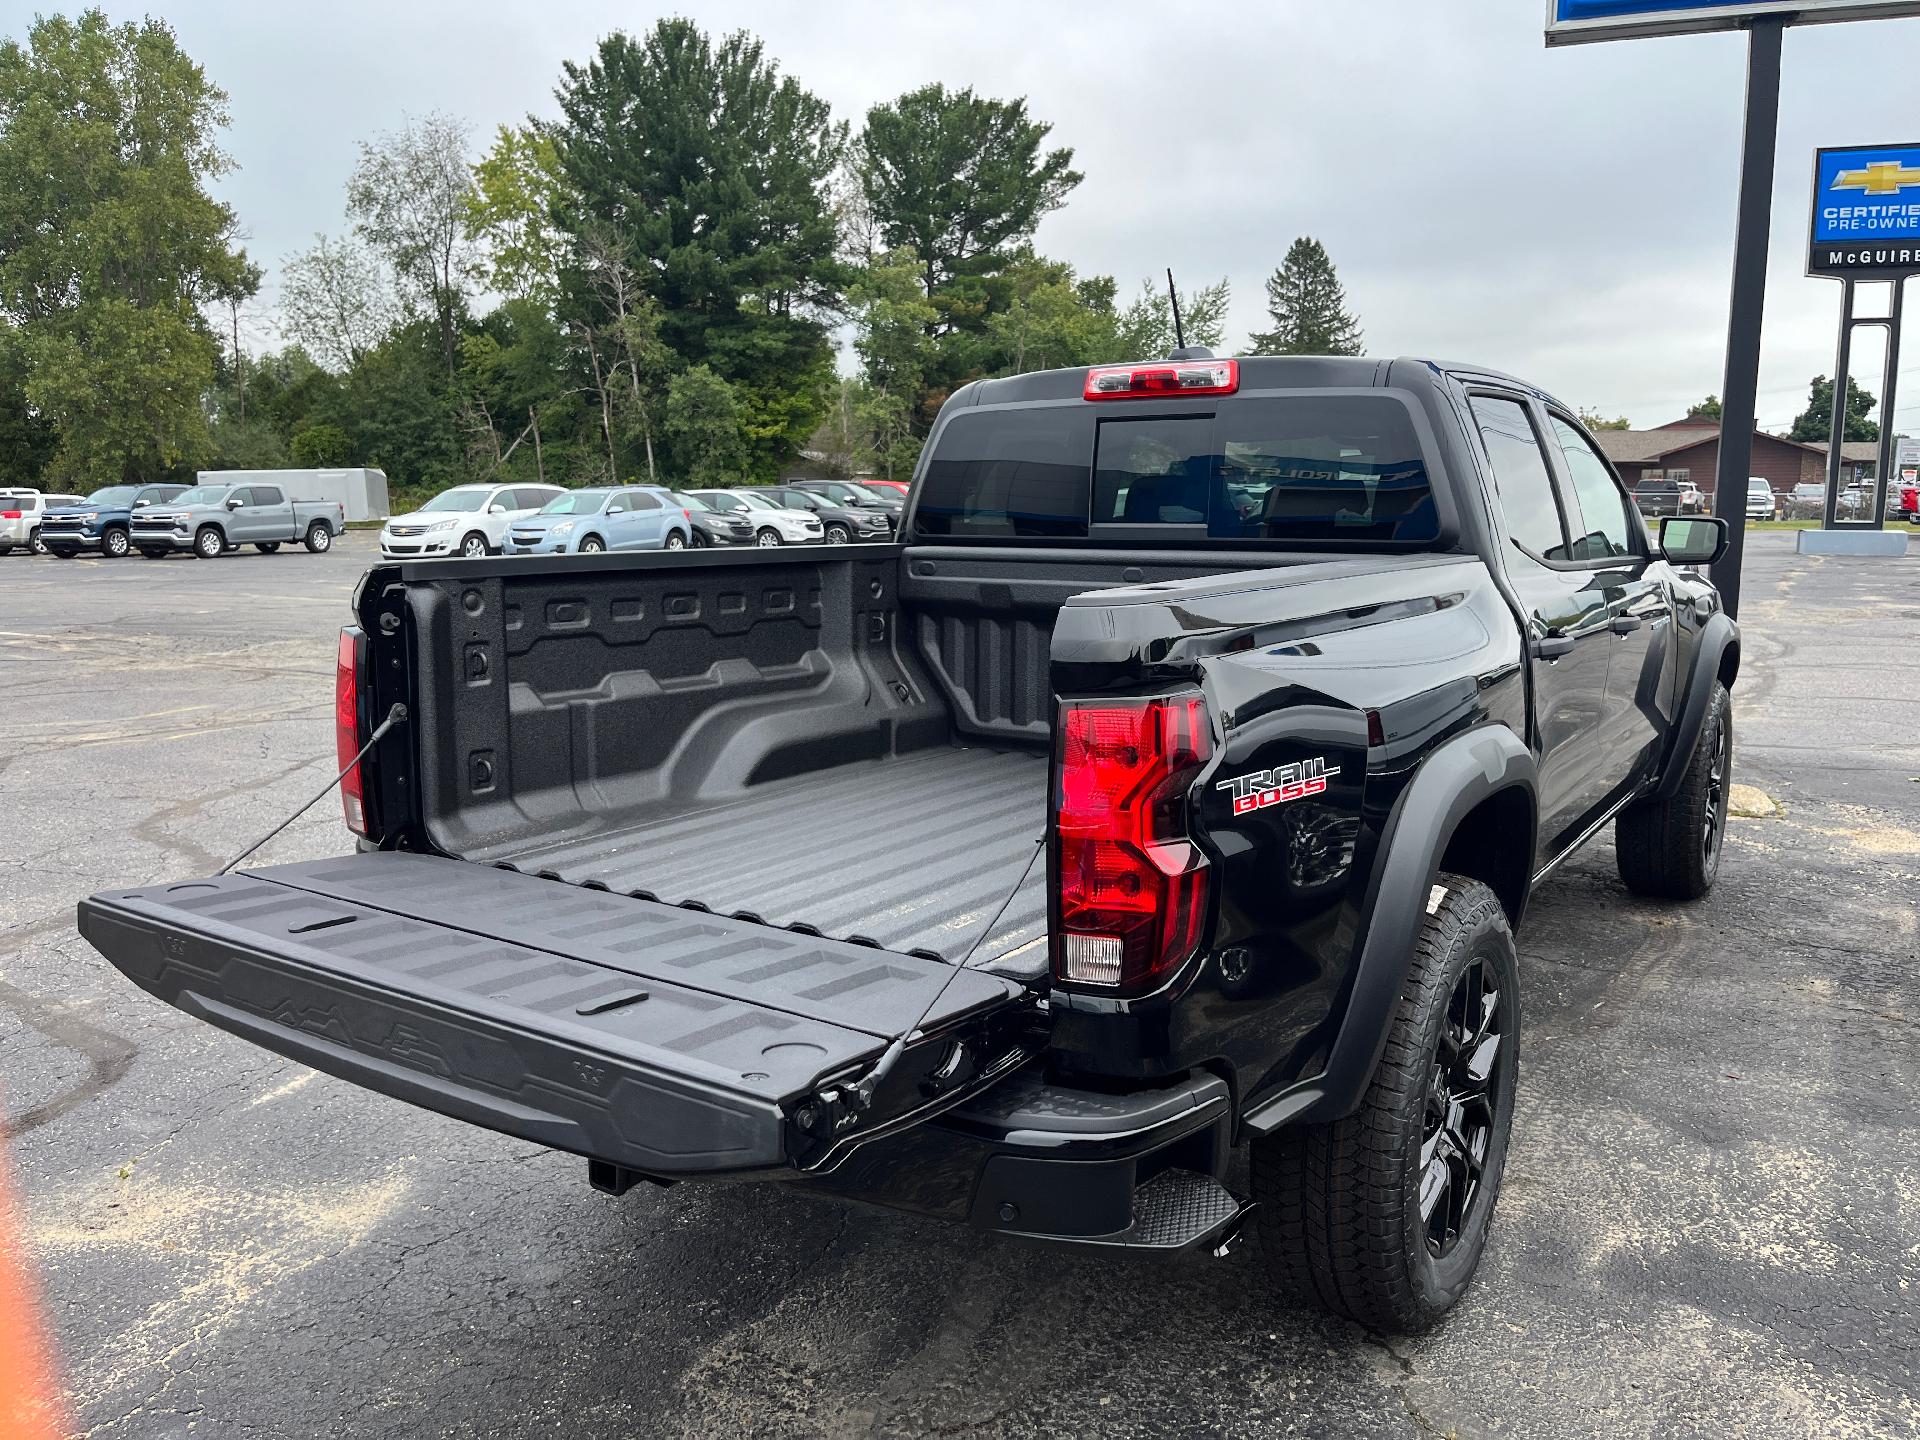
[1261, 788]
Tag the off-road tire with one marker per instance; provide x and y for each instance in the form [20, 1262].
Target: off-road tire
[268, 547]
[319, 538]
[209, 543]
[1670, 849]
[114, 543]
[1341, 1218]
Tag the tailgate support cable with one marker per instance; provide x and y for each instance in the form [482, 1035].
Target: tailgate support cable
[394, 717]
[863, 1089]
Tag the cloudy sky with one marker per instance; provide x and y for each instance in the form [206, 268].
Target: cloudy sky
[1565, 215]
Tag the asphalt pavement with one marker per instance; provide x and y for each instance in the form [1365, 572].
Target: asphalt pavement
[1711, 1215]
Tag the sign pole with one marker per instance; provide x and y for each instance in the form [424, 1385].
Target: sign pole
[1890, 378]
[1837, 419]
[1742, 383]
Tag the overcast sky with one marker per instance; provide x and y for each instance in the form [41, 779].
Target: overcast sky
[1564, 215]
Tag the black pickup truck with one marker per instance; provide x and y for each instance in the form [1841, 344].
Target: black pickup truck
[1175, 785]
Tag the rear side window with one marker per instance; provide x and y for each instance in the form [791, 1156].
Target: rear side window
[1010, 472]
[641, 500]
[265, 495]
[1521, 479]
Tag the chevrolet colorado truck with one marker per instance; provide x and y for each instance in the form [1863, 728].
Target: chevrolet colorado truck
[1175, 785]
[213, 520]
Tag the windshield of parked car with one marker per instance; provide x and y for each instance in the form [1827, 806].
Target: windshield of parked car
[801, 500]
[691, 502]
[456, 500]
[1759, 487]
[757, 502]
[1301, 468]
[725, 501]
[202, 495]
[114, 496]
[576, 502]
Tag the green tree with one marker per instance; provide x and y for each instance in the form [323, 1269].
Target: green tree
[1308, 307]
[410, 197]
[1709, 408]
[1594, 420]
[707, 161]
[704, 419]
[960, 178]
[320, 446]
[1815, 425]
[335, 302]
[110, 243]
[516, 190]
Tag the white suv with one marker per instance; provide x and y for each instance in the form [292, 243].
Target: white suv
[468, 520]
[772, 524]
[20, 512]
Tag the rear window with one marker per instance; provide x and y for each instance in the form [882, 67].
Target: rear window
[1285, 469]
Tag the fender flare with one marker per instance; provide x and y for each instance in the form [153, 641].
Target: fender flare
[1715, 636]
[1450, 782]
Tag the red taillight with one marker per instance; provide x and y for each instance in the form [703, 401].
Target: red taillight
[1132, 888]
[347, 739]
[1172, 377]
[9, 514]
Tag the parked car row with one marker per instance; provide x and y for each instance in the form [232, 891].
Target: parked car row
[475, 520]
[467, 520]
[157, 520]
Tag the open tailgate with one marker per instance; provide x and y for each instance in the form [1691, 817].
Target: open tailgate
[665, 1040]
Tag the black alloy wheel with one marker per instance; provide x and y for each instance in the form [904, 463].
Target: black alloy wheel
[1713, 823]
[1458, 1130]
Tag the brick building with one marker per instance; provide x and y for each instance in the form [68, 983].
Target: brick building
[1689, 450]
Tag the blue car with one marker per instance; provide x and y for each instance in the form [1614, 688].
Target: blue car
[607, 517]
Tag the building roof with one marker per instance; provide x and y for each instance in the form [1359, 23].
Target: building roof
[1645, 447]
[1637, 447]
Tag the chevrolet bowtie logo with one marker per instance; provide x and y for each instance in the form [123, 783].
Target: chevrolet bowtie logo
[1883, 177]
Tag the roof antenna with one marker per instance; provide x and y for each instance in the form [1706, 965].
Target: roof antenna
[1182, 350]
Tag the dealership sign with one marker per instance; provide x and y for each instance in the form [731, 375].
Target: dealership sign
[1570, 22]
[1866, 211]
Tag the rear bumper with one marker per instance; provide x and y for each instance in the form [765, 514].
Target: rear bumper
[1064, 1166]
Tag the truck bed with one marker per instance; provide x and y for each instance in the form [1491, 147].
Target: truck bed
[913, 853]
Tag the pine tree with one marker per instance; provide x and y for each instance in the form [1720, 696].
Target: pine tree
[1308, 307]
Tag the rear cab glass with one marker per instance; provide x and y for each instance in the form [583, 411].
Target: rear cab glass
[1316, 467]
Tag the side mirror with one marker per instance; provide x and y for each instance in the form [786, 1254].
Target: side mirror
[496, 508]
[234, 502]
[141, 504]
[1693, 539]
